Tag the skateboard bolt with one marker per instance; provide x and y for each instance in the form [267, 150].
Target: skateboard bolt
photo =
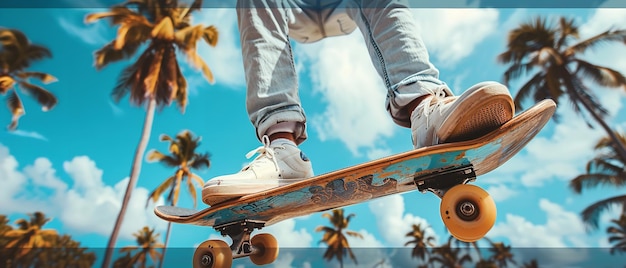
[206, 260]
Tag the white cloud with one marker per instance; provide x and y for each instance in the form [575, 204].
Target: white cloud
[501, 192]
[11, 179]
[376, 153]
[452, 34]
[353, 92]
[571, 241]
[28, 134]
[523, 233]
[284, 260]
[225, 58]
[559, 156]
[287, 235]
[393, 223]
[603, 19]
[87, 205]
[116, 109]
[43, 175]
[604, 54]
[72, 21]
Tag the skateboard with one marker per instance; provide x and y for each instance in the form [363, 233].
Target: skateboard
[467, 211]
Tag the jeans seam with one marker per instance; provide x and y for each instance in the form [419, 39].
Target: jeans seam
[379, 55]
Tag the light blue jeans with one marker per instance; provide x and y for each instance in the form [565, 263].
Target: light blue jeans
[267, 27]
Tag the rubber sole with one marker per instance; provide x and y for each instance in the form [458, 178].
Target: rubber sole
[481, 110]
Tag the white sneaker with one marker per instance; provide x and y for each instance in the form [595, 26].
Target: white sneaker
[276, 165]
[479, 110]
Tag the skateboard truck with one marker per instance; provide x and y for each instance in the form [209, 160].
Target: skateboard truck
[239, 232]
[441, 181]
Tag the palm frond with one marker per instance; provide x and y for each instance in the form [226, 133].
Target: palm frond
[154, 195]
[19, 52]
[324, 229]
[201, 161]
[606, 165]
[608, 142]
[528, 89]
[603, 76]
[6, 82]
[181, 97]
[604, 37]
[587, 181]
[210, 35]
[354, 234]
[46, 99]
[164, 29]
[16, 107]
[156, 156]
[176, 191]
[44, 77]
[192, 191]
[517, 70]
[166, 86]
[108, 54]
[567, 30]
[198, 63]
[591, 214]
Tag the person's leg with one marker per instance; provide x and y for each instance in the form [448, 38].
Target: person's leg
[397, 52]
[271, 79]
[416, 97]
[272, 102]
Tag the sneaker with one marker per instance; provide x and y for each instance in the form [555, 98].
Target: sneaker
[478, 111]
[276, 165]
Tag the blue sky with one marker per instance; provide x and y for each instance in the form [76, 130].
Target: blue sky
[72, 162]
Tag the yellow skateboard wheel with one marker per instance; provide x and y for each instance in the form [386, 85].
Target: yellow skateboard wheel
[213, 254]
[468, 212]
[267, 247]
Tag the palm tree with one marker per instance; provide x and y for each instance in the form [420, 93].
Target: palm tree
[184, 158]
[501, 253]
[16, 55]
[64, 252]
[606, 168]
[30, 246]
[147, 245]
[553, 51]
[155, 78]
[123, 262]
[29, 235]
[335, 238]
[467, 246]
[4, 228]
[617, 234]
[531, 264]
[421, 240]
[448, 256]
[4, 225]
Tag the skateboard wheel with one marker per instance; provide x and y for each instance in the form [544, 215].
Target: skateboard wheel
[267, 249]
[468, 212]
[213, 254]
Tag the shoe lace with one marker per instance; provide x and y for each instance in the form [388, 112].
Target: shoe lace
[437, 100]
[265, 152]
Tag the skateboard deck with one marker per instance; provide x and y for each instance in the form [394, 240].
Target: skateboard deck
[438, 169]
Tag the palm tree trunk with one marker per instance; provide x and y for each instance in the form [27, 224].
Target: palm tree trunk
[619, 147]
[167, 240]
[134, 175]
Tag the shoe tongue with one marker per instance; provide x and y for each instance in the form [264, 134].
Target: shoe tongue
[281, 141]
